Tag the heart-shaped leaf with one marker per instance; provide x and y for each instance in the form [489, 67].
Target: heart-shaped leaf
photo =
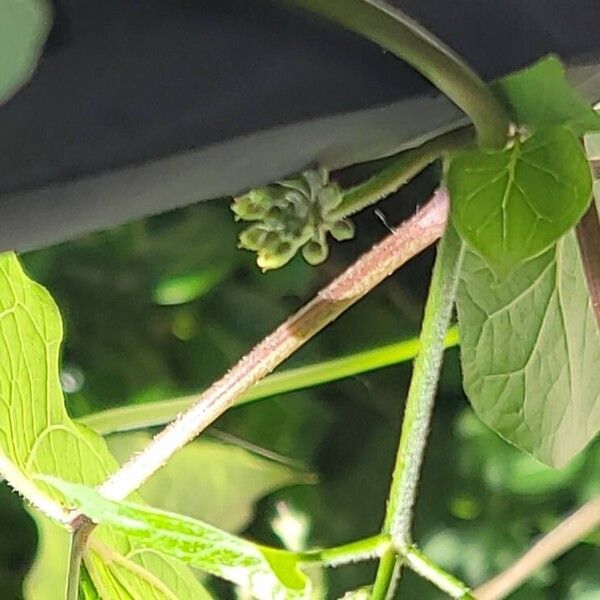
[513, 204]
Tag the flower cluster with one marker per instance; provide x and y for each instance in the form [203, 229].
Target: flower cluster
[293, 214]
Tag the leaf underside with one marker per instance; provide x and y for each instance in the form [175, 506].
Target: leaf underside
[235, 477]
[530, 352]
[39, 437]
[267, 573]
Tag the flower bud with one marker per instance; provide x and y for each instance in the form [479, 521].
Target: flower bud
[330, 197]
[315, 252]
[275, 257]
[290, 215]
[342, 230]
[253, 237]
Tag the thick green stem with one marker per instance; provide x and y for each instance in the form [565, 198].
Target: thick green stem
[421, 394]
[400, 170]
[392, 29]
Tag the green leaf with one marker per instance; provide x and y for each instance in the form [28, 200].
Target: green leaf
[24, 25]
[540, 97]
[530, 352]
[118, 576]
[36, 433]
[233, 478]
[513, 204]
[265, 572]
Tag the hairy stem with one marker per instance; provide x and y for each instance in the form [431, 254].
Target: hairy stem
[443, 580]
[421, 394]
[409, 239]
[560, 539]
[152, 414]
[365, 549]
[27, 488]
[399, 170]
[392, 29]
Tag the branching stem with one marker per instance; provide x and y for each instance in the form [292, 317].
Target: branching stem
[409, 239]
[365, 549]
[421, 395]
[401, 169]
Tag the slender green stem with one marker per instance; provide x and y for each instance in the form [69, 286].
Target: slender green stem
[74, 569]
[152, 414]
[421, 394]
[386, 573]
[401, 169]
[79, 539]
[74, 566]
[392, 29]
[443, 580]
[365, 549]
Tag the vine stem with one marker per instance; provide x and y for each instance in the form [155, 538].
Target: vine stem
[399, 170]
[444, 581]
[390, 28]
[413, 236]
[153, 414]
[419, 404]
[27, 488]
[557, 541]
[364, 549]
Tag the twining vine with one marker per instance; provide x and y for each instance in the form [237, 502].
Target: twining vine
[515, 186]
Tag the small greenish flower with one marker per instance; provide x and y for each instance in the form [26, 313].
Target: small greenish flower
[294, 214]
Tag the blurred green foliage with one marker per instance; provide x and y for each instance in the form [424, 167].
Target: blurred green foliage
[161, 307]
